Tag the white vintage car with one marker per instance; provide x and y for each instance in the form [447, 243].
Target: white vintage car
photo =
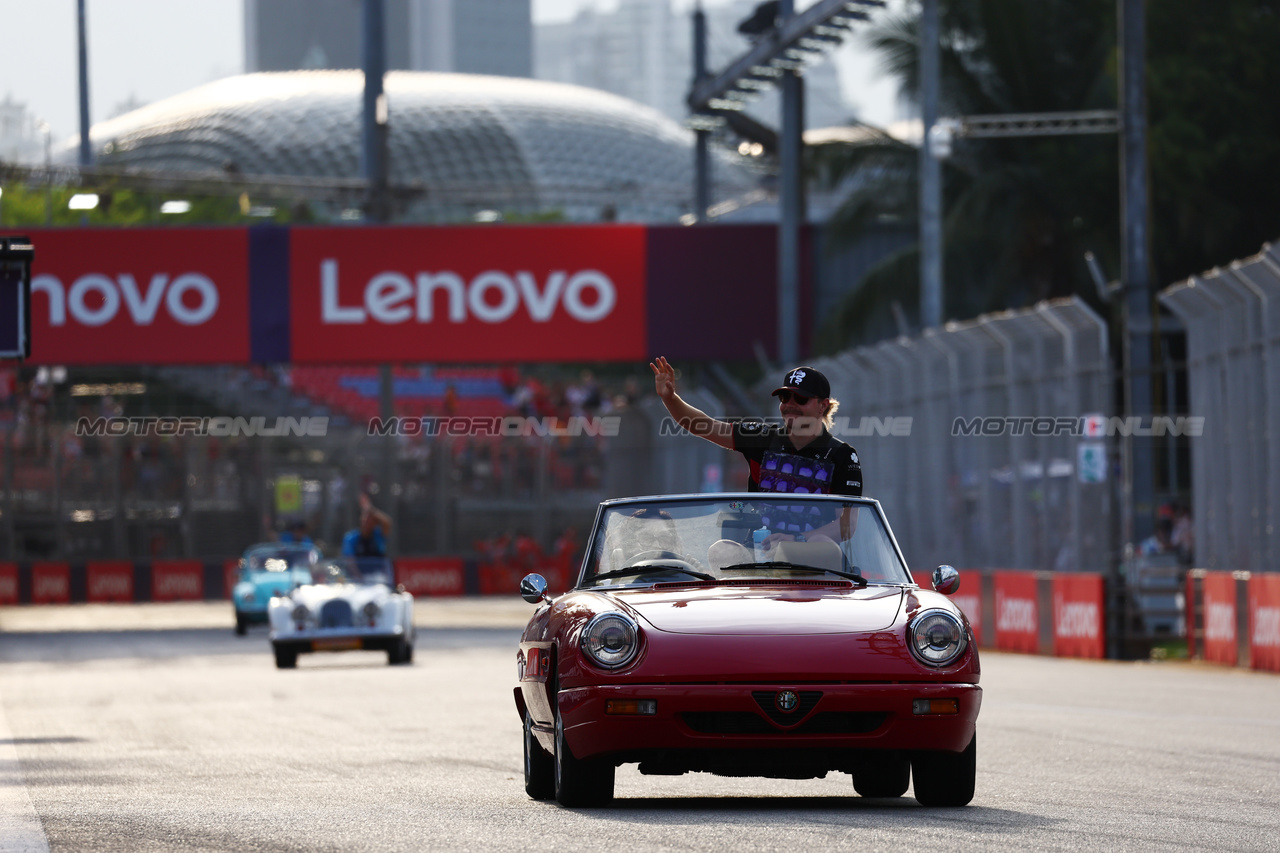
[349, 604]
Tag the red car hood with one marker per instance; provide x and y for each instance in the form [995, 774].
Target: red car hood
[771, 610]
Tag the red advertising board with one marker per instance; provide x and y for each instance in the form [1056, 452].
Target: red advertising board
[1017, 612]
[1078, 627]
[50, 583]
[1220, 618]
[230, 574]
[432, 576]
[177, 580]
[1264, 621]
[109, 580]
[468, 294]
[140, 296]
[8, 583]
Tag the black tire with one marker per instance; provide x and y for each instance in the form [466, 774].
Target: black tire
[945, 778]
[539, 765]
[286, 658]
[242, 626]
[580, 784]
[885, 774]
[401, 652]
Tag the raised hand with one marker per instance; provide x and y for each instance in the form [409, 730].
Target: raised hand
[664, 378]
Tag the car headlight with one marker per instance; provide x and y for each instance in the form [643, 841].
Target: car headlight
[936, 637]
[301, 614]
[611, 640]
[371, 611]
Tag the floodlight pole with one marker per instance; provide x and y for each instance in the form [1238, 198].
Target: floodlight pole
[86, 154]
[702, 149]
[791, 204]
[373, 137]
[930, 170]
[1136, 266]
[373, 167]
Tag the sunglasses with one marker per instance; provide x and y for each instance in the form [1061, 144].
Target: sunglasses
[788, 396]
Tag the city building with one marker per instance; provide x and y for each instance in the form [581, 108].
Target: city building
[467, 36]
[642, 50]
[21, 137]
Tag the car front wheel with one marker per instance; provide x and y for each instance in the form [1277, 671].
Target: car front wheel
[242, 625]
[286, 658]
[580, 783]
[945, 778]
[401, 652]
[884, 774]
[539, 765]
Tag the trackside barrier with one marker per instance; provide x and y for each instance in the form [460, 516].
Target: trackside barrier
[125, 581]
[1233, 618]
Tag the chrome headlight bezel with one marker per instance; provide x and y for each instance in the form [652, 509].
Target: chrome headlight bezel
[301, 614]
[925, 648]
[602, 628]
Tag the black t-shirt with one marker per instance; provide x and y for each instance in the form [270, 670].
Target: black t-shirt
[825, 465]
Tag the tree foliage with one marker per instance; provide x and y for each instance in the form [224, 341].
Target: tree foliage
[1020, 213]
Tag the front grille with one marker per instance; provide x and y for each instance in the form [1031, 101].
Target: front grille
[808, 698]
[336, 613]
[747, 723]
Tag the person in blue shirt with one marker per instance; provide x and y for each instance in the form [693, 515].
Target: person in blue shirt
[369, 539]
[296, 533]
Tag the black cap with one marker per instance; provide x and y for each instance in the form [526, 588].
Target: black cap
[806, 381]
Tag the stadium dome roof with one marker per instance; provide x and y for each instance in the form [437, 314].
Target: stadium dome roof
[471, 142]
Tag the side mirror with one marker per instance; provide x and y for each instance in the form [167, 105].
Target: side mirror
[946, 580]
[533, 588]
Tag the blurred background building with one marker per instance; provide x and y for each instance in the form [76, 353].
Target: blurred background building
[643, 50]
[468, 36]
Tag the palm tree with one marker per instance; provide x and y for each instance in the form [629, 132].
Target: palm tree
[1019, 213]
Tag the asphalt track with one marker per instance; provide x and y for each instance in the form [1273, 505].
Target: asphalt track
[139, 728]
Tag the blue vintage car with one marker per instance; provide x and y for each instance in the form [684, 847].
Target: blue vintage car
[267, 569]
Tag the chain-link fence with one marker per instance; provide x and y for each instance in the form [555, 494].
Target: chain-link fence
[1232, 317]
[992, 468]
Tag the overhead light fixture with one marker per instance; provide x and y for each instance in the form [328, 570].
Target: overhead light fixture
[176, 206]
[83, 201]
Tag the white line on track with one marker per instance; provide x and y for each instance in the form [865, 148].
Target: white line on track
[20, 827]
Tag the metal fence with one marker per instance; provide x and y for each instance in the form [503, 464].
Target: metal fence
[975, 497]
[133, 497]
[1232, 318]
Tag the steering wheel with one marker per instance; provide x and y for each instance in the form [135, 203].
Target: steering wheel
[659, 558]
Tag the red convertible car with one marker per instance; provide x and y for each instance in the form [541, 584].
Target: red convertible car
[753, 634]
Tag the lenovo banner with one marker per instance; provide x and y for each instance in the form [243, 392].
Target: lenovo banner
[1264, 621]
[1220, 618]
[177, 580]
[50, 583]
[109, 580]
[1017, 612]
[1077, 616]
[467, 294]
[140, 296]
[431, 576]
[8, 583]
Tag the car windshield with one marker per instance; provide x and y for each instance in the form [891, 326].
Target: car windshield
[744, 536]
[357, 570]
[279, 558]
